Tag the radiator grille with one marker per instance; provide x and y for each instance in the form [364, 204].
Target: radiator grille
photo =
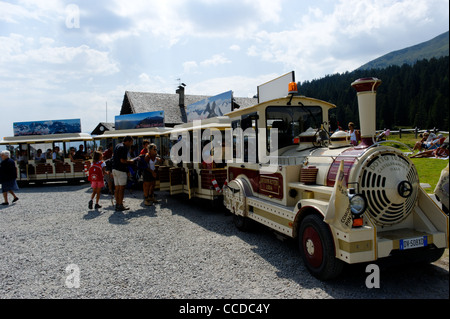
[381, 182]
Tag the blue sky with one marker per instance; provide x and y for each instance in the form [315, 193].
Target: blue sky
[68, 59]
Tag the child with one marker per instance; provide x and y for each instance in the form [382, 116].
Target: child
[97, 182]
[150, 175]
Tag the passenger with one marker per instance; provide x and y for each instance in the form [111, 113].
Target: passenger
[80, 154]
[98, 184]
[57, 155]
[40, 157]
[23, 158]
[89, 153]
[8, 176]
[109, 152]
[120, 171]
[49, 154]
[150, 175]
[22, 161]
[355, 136]
[72, 155]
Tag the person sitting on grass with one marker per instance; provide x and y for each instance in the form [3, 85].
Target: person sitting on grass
[440, 152]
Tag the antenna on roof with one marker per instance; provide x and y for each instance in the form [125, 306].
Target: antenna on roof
[180, 83]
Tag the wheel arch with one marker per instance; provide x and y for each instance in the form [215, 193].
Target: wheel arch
[311, 210]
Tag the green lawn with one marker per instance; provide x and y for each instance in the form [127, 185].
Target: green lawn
[429, 169]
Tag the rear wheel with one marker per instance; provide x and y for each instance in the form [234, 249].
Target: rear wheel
[317, 248]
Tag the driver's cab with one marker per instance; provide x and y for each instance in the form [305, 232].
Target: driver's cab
[280, 127]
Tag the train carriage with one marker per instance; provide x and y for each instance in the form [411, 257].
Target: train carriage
[198, 169]
[25, 149]
[343, 203]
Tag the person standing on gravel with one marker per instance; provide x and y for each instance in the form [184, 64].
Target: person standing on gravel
[8, 176]
[120, 171]
[150, 175]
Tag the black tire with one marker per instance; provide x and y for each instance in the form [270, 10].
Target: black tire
[317, 248]
[242, 223]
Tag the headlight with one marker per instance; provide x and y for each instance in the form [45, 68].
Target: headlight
[357, 204]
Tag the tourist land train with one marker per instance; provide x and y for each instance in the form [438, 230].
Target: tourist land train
[276, 164]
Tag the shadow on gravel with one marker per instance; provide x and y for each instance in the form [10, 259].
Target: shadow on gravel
[53, 187]
[123, 218]
[397, 280]
[92, 214]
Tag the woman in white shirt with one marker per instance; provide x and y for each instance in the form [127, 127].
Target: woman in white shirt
[354, 134]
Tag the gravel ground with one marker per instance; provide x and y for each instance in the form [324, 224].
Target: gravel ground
[178, 249]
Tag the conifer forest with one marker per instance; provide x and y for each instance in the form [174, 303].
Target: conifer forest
[410, 95]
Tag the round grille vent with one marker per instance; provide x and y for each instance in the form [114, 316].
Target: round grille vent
[390, 183]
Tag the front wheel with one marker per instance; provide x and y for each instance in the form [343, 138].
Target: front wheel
[317, 248]
[242, 223]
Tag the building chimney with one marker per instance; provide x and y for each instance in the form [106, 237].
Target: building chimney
[367, 92]
[180, 92]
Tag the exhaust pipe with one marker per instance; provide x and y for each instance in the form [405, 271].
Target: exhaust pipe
[367, 91]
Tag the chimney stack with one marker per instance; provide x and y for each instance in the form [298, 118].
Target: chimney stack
[367, 91]
[180, 92]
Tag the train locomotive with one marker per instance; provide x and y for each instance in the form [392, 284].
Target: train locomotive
[344, 204]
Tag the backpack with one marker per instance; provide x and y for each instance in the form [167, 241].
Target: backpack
[95, 173]
[142, 163]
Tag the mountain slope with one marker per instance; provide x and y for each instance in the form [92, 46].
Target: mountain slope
[434, 48]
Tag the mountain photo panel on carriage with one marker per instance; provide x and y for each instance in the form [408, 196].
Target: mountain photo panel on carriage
[214, 106]
[48, 127]
[139, 120]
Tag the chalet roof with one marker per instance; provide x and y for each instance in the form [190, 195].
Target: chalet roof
[142, 102]
[102, 127]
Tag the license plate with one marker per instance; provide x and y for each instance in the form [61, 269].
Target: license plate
[413, 242]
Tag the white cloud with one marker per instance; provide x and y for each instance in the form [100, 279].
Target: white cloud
[44, 54]
[42, 10]
[351, 34]
[215, 60]
[247, 85]
[235, 47]
[172, 21]
[190, 66]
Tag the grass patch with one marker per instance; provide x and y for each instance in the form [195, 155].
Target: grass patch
[429, 169]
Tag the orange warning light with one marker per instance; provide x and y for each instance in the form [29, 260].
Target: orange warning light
[293, 88]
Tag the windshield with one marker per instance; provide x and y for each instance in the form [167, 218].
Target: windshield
[291, 121]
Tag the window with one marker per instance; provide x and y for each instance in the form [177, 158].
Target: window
[245, 131]
[291, 121]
